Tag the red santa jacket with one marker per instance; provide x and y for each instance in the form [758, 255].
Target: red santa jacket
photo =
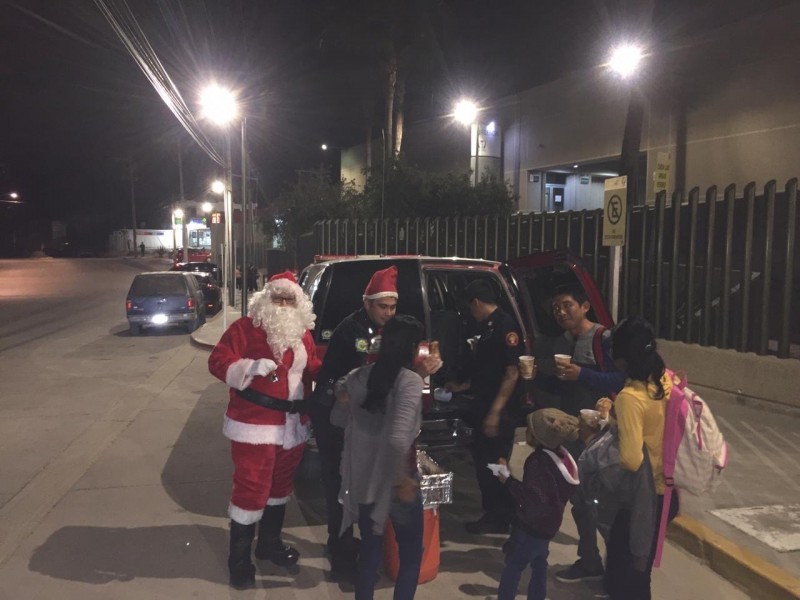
[243, 340]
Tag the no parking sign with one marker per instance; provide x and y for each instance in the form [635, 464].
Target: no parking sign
[614, 211]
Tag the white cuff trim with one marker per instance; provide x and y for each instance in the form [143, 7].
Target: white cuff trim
[237, 375]
[278, 501]
[244, 517]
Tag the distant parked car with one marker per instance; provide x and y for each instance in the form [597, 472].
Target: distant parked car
[211, 292]
[195, 255]
[204, 267]
[165, 298]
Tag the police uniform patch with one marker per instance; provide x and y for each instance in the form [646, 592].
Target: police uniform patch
[512, 339]
[361, 345]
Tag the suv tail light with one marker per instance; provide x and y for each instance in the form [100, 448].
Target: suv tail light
[128, 304]
[190, 303]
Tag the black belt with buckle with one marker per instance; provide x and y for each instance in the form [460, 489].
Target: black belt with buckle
[287, 406]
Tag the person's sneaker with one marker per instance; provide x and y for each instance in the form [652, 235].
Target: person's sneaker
[487, 524]
[579, 572]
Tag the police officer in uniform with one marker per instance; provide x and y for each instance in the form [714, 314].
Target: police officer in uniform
[494, 386]
[348, 349]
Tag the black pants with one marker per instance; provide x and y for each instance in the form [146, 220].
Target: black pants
[623, 581]
[330, 443]
[495, 498]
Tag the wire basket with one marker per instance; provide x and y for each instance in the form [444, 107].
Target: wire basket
[436, 485]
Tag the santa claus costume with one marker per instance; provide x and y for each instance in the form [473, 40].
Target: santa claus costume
[268, 359]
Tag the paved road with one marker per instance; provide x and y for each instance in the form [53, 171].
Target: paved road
[116, 478]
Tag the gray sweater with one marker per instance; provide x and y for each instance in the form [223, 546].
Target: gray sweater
[376, 445]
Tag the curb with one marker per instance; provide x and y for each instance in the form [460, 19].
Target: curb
[755, 575]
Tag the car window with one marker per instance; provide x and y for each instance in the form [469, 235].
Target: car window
[157, 285]
[348, 279]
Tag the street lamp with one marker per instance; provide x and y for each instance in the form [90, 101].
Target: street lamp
[218, 187]
[465, 112]
[625, 59]
[218, 105]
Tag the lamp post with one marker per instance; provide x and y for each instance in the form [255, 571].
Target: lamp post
[625, 61]
[219, 105]
[466, 112]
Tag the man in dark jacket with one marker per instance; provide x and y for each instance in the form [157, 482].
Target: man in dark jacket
[493, 383]
[347, 350]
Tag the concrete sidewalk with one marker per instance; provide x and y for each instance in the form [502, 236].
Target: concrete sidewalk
[746, 531]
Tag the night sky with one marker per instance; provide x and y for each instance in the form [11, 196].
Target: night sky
[76, 109]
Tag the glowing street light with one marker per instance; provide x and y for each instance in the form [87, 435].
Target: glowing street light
[218, 187]
[324, 146]
[207, 207]
[178, 212]
[218, 104]
[465, 112]
[13, 195]
[625, 59]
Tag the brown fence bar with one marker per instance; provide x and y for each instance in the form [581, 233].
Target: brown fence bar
[747, 271]
[661, 201]
[694, 199]
[769, 229]
[788, 268]
[677, 201]
[730, 198]
[708, 272]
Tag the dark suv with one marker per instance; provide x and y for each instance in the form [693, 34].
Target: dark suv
[431, 289]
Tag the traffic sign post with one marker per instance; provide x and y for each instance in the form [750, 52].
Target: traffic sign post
[615, 212]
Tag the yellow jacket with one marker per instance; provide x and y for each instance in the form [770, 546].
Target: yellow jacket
[640, 419]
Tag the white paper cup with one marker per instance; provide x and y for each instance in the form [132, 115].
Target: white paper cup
[562, 360]
[526, 367]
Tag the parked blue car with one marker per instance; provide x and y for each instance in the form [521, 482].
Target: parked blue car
[165, 298]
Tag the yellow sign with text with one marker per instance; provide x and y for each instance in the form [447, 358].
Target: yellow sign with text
[615, 205]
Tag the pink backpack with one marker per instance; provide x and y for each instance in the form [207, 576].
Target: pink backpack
[694, 451]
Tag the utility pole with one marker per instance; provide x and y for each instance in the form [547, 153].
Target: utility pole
[185, 235]
[133, 205]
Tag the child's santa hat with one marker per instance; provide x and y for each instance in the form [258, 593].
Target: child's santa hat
[382, 285]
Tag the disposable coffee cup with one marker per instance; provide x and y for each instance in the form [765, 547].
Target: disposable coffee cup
[526, 367]
[562, 360]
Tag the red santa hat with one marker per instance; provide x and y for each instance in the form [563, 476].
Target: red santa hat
[382, 285]
[284, 282]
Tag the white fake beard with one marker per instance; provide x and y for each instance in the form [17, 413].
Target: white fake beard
[284, 326]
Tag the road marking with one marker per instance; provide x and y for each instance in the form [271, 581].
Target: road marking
[20, 516]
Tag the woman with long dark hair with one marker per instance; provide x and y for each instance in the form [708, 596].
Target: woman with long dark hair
[640, 411]
[380, 407]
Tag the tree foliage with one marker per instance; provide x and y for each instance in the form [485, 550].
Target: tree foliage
[406, 191]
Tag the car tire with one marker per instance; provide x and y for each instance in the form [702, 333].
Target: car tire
[135, 329]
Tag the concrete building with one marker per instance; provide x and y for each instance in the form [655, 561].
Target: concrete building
[719, 108]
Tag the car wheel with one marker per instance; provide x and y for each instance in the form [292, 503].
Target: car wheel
[135, 329]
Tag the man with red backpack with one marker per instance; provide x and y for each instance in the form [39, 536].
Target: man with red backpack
[589, 376]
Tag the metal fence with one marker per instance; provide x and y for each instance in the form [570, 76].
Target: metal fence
[719, 272]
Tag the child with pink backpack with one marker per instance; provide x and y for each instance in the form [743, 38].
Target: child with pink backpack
[641, 408]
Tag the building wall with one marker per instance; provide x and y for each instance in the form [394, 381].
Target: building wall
[724, 107]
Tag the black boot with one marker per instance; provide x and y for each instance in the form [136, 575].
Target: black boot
[269, 545]
[241, 568]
